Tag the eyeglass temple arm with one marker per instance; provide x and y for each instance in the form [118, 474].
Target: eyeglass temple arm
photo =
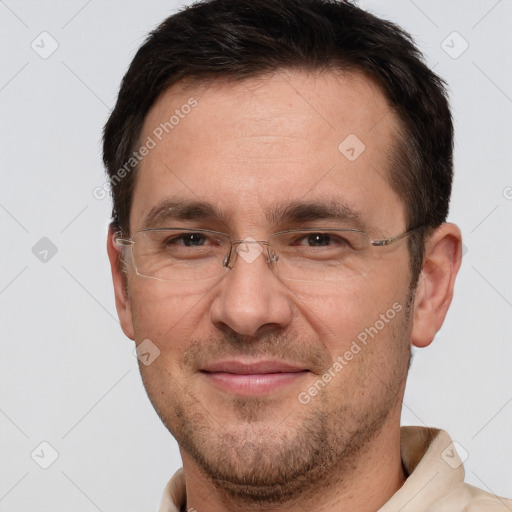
[125, 242]
[392, 240]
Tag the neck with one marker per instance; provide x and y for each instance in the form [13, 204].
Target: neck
[374, 477]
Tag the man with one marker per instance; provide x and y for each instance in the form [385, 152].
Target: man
[281, 173]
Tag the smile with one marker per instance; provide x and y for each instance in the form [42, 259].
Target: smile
[252, 379]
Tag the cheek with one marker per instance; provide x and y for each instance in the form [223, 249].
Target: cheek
[367, 342]
[168, 316]
[167, 313]
[346, 312]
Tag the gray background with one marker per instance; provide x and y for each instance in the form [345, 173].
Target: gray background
[68, 375]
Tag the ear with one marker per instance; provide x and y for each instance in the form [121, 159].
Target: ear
[119, 279]
[434, 293]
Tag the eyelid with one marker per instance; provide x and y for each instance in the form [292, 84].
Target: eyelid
[333, 235]
[176, 235]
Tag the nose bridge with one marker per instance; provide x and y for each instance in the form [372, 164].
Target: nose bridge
[248, 250]
[250, 295]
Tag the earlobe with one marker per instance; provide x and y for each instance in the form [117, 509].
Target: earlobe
[119, 280]
[443, 253]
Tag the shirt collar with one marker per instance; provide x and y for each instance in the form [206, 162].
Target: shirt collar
[433, 466]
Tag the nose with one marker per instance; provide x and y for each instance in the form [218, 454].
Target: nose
[250, 298]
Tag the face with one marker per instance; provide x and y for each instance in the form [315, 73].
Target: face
[264, 380]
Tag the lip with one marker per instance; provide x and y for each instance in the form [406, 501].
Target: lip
[252, 378]
[251, 367]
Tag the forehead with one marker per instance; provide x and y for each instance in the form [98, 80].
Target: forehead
[249, 145]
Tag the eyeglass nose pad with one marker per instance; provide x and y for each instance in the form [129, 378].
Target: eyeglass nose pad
[272, 256]
[228, 259]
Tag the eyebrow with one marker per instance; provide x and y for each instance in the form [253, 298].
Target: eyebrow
[168, 210]
[294, 212]
[301, 212]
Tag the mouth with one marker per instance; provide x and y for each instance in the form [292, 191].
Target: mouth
[252, 378]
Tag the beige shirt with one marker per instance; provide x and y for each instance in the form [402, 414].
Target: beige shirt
[435, 482]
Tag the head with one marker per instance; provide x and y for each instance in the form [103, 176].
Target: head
[252, 117]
